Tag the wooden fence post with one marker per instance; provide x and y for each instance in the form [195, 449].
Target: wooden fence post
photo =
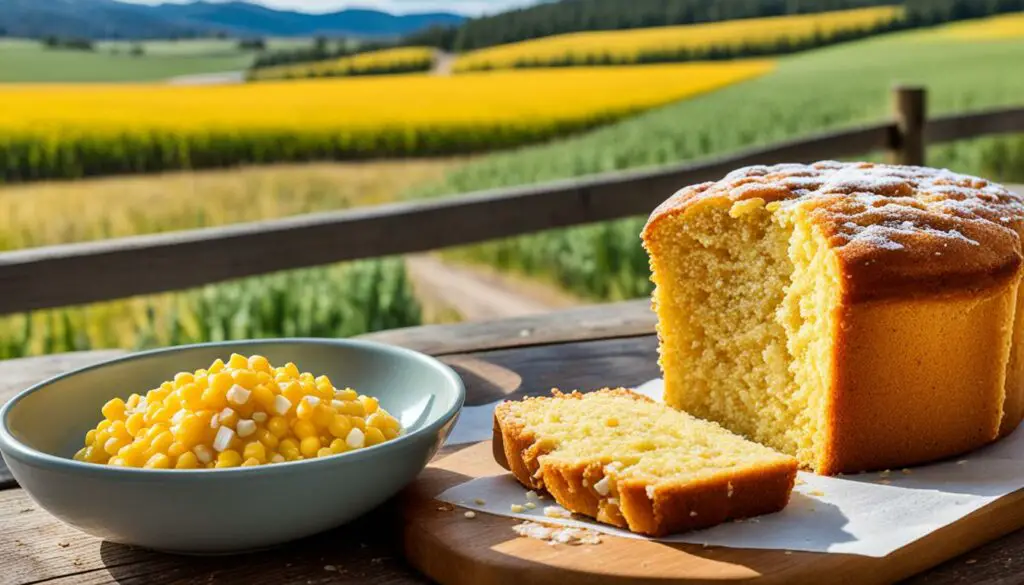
[909, 111]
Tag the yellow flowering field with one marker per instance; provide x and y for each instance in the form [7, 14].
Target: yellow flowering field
[399, 60]
[53, 131]
[1004, 26]
[679, 43]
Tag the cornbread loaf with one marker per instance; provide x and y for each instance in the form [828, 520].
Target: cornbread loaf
[857, 316]
[626, 460]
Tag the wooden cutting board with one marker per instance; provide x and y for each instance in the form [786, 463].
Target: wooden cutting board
[455, 550]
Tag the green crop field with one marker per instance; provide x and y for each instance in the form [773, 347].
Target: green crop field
[824, 89]
[23, 60]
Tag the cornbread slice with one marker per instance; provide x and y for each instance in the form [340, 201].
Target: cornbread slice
[856, 316]
[623, 459]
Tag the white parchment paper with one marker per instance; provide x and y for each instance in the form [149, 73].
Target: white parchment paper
[870, 514]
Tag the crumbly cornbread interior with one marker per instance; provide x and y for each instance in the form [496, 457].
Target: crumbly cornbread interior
[745, 296]
[633, 439]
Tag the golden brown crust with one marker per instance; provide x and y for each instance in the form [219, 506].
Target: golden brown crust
[896, 230]
[670, 508]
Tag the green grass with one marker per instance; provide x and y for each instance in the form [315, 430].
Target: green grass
[24, 60]
[824, 89]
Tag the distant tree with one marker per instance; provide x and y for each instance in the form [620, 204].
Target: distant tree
[320, 44]
[253, 44]
[137, 50]
[3, 32]
[220, 35]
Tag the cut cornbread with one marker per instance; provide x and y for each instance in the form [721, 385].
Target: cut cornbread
[623, 459]
[853, 315]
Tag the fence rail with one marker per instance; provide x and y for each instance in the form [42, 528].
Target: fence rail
[54, 276]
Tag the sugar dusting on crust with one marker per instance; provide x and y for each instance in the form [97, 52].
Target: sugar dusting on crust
[915, 224]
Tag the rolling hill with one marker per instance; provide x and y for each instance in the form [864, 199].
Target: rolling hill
[112, 19]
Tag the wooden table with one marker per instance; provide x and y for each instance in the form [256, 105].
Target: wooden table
[582, 348]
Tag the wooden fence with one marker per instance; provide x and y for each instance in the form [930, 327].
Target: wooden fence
[55, 276]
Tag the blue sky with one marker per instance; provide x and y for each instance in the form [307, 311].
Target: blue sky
[468, 7]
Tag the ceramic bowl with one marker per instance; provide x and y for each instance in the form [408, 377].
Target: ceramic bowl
[211, 511]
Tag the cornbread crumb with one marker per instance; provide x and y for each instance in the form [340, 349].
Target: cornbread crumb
[530, 505]
[693, 513]
[884, 481]
[884, 473]
[799, 482]
[330, 568]
[816, 493]
[517, 508]
[557, 512]
[906, 471]
[531, 495]
[557, 534]
[479, 501]
[470, 514]
[961, 462]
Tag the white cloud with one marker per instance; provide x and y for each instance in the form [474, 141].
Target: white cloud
[467, 7]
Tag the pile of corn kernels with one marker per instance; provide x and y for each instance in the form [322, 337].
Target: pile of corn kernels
[242, 413]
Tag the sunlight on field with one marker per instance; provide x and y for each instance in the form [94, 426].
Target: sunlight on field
[628, 46]
[1006, 26]
[49, 213]
[69, 131]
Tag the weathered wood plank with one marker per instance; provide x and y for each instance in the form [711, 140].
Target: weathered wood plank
[962, 126]
[54, 276]
[17, 375]
[624, 319]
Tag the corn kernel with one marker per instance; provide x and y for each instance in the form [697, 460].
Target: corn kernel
[134, 423]
[339, 446]
[278, 425]
[251, 462]
[113, 445]
[390, 434]
[309, 446]
[357, 423]
[158, 461]
[263, 396]
[306, 407]
[255, 450]
[229, 458]
[114, 409]
[324, 452]
[259, 363]
[187, 460]
[214, 399]
[183, 378]
[370, 404]
[216, 366]
[304, 428]
[116, 462]
[340, 426]
[374, 436]
[292, 391]
[288, 444]
[238, 361]
[176, 450]
[291, 369]
[269, 440]
[191, 396]
[352, 408]
[90, 437]
[80, 454]
[347, 394]
[245, 378]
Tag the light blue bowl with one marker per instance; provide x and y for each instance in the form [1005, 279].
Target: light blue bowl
[211, 511]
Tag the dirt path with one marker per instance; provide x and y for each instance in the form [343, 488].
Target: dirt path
[442, 63]
[476, 293]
